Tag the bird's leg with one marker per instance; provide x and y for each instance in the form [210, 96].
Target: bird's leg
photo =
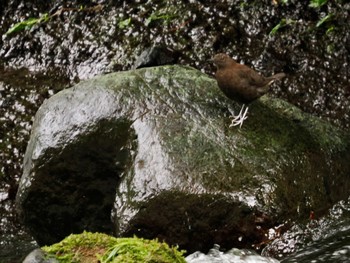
[235, 118]
[239, 119]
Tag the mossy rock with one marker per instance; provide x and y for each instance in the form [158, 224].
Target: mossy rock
[97, 247]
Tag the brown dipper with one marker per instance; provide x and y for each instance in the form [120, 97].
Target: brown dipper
[241, 83]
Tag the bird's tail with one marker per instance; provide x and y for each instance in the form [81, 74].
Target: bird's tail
[277, 76]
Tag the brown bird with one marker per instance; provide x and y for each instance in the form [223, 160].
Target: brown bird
[241, 83]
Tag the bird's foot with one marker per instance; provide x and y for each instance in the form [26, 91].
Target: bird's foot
[239, 119]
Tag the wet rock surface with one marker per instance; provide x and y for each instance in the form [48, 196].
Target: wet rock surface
[83, 40]
[21, 93]
[156, 56]
[78, 152]
[153, 135]
[15, 242]
[38, 256]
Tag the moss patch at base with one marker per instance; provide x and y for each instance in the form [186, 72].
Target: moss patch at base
[96, 247]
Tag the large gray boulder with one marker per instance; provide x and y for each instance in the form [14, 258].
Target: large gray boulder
[152, 148]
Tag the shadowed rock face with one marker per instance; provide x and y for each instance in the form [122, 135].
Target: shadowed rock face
[195, 222]
[129, 143]
[73, 169]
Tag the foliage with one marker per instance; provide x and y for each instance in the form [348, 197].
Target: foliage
[313, 3]
[91, 247]
[159, 16]
[27, 24]
[124, 23]
[284, 22]
[327, 18]
[317, 3]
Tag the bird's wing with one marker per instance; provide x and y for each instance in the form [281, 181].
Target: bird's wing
[253, 78]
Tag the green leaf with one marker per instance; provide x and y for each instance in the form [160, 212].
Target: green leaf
[330, 30]
[22, 25]
[26, 24]
[325, 19]
[317, 3]
[124, 23]
[284, 22]
[157, 16]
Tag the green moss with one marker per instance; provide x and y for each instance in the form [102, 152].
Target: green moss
[141, 250]
[90, 247]
[78, 248]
